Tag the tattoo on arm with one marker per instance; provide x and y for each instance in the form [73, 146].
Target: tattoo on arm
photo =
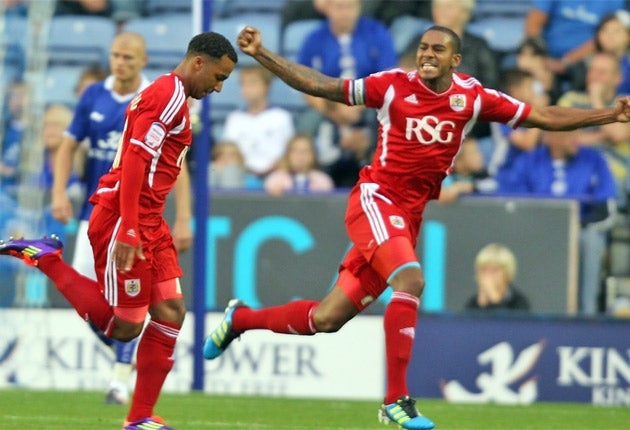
[302, 78]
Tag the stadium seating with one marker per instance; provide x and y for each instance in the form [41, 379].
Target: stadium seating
[12, 48]
[503, 34]
[80, 39]
[60, 84]
[167, 7]
[294, 34]
[406, 28]
[282, 95]
[166, 36]
[485, 9]
[237, 7]
[267, 23]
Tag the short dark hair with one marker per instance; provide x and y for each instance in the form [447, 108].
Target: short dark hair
[212, 44]
[457, 41]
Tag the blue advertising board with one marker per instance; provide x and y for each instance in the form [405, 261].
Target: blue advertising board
[521, 360]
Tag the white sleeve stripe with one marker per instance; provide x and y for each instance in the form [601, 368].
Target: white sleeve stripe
[517, 115]
[174, 104]
[144, 146]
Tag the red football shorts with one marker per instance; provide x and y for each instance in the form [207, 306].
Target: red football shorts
[384, 239]
[149, 281]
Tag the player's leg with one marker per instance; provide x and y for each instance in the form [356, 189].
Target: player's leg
[396, 261]
[82, 293]
[83, 262]
[155, 350]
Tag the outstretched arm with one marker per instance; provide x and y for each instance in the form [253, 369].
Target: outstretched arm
[300, 77]
[565, 118]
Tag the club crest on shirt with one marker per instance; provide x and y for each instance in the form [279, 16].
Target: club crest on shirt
[132, 287]
[458, 102]
[397, 221]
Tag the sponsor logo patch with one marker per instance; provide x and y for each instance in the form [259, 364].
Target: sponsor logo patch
[155, 136]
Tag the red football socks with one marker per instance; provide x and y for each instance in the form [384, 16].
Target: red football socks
[400, 325]
[291, 318]
[83, 293]
[154, 361]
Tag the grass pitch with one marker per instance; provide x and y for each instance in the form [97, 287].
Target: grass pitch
[35, 410]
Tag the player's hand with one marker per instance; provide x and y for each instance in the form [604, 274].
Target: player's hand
[61, 207]
[249, 41]
[622, 109]
[125, 255]
[182, 235]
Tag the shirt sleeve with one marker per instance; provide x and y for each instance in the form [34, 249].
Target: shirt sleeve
[499, 107]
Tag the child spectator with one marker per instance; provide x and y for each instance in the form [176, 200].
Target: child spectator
[509, 143]
[613, 35]
[298, 172]
[227, 169]
[469, 174]
[495, 271]
[260, 130]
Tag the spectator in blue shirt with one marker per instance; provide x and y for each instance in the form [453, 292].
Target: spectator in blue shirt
[349, 45]
[560, 168]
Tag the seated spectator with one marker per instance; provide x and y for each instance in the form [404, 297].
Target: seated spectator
[613, 35]
[347, 44]
[468, 176]
[298, 172]
[568, 27]
[13, 124]
[84, 7]
[509, 142]
[561, 168]
[90, 75]
[532, 57]
[495, 271]
[603, 77]
[261, 131]
[227, 169]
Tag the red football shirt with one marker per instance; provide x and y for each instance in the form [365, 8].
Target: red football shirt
[420, 131]
[157, 126]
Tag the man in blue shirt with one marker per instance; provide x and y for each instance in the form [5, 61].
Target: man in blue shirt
[561, 168]
[346, 45]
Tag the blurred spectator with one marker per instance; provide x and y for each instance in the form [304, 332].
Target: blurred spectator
[568, 27]
[468, 176]
[495, 271]
[603, 77]
[84, 7]
[298, 10]
[561, 168]
[15, 8]
[298, 172]
[15, 111]
[478, 59]
[509, 142]
[260, 130]
[613, 35]
[387, 11]
[227, 168]
[348, 45]
[532, 56]
[89, 75]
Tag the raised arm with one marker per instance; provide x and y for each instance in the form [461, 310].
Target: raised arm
[565, 118]
[300, 77]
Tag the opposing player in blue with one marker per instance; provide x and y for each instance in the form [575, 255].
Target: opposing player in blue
[96, 128]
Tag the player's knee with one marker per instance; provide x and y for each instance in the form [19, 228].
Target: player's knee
[326, 323]
[125, 331]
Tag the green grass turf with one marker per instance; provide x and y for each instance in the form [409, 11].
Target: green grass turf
[35, 410]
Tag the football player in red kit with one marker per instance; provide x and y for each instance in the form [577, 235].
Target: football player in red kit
[423, 118]
[134, 255]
